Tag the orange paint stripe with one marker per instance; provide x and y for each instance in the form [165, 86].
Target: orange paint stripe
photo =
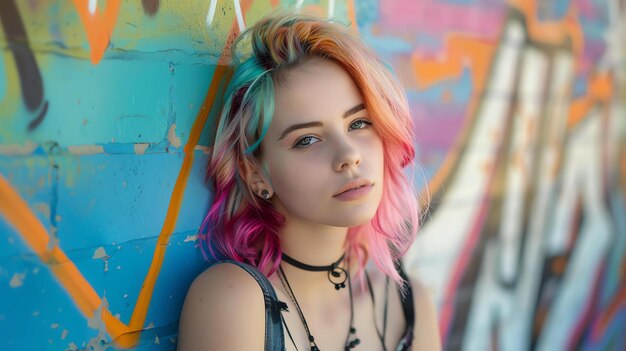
[145, 295]
[551, 32]
[459, 49]
[600, 91]
[98, 26]
[17, 213]
[352, 16]
[222, 72]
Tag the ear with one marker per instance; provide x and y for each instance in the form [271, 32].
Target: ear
[255, 178]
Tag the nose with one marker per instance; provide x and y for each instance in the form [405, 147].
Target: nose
[347, 156]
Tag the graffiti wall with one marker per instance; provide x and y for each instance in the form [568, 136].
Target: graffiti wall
[106, 109]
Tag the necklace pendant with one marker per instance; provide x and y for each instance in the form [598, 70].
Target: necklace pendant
[314, 348]
[340, 286]
[352, 344]
[338, 277]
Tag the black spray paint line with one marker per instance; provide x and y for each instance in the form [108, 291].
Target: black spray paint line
[150, 7]
[30, 77]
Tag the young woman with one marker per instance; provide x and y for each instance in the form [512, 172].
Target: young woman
[312, 210]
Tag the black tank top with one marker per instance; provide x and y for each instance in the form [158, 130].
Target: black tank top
[274, 335]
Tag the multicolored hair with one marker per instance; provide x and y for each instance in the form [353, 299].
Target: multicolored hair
[242, 227]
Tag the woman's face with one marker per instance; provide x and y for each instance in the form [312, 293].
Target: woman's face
[308, 165]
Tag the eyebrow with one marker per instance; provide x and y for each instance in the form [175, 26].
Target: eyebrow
[347, 114]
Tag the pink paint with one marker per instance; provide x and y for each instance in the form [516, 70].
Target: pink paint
[586, 9]
[593, 50]
[439, 17]
[438, 132]
[354, 194]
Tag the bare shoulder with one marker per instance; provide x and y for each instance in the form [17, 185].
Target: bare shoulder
[223, 304]
[426, 332]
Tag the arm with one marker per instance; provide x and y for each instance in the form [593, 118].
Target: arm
[426, 330]
[223, 310]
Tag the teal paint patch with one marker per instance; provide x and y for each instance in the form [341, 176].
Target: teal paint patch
[140, 186]
[115, 101]
[189, 85]
[12, 243]
[197, 197]
[118, 148]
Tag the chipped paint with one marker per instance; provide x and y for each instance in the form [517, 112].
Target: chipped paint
[205, 150]
[100, 253]
[17, 280]
[192, 238]
[141, 148]
[18, 150]
[172, 137]
[85, 149]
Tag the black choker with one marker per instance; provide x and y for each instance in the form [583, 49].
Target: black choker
[334, 271]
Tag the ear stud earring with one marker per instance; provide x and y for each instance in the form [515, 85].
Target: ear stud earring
[265, 194]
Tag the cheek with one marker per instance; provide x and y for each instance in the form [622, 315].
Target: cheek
[292, 179]
[376, 154]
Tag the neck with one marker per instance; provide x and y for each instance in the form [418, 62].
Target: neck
[315, 248]
[314, 245]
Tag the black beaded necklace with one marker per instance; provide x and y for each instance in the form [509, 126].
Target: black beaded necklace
[335, 271]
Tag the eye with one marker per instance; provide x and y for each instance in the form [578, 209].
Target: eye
[361, 124]
[304, 142]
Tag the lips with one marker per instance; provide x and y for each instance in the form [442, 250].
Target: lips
[354, 184]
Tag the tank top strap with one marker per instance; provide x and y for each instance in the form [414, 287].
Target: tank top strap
[274, 335]
[408, 309]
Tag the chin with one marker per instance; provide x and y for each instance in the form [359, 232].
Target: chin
[353, 219]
